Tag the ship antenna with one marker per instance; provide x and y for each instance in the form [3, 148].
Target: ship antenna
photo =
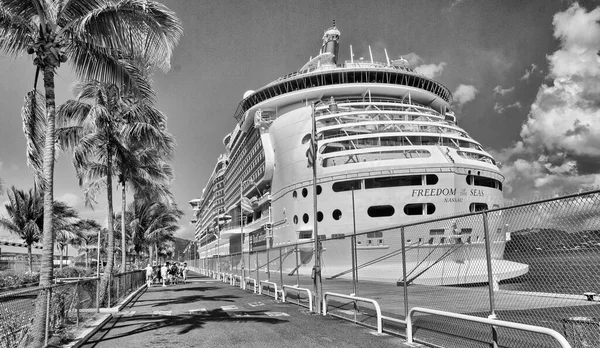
[386, 57]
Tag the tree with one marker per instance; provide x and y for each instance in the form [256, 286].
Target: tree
[97, 126]
[87, 236]
[101, 40]
[25, 211]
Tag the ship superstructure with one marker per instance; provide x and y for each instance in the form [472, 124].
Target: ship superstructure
[387, 137]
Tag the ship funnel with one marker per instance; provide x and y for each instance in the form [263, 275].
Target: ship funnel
[331, 44]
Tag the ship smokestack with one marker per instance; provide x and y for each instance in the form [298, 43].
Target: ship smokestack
[331, 43]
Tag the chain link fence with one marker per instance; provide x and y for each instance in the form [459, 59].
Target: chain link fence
[533, 263]
[68, 303]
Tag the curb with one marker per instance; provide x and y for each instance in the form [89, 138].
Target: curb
[98, 324]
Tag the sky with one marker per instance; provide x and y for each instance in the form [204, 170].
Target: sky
[525, 77]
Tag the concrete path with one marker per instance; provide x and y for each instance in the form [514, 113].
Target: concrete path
[208, 313]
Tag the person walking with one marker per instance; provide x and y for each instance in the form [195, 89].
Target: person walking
[149, 275]
[184, 272]
[163, 272]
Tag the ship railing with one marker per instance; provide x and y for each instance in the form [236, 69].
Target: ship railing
[295, 288]
[355, 299]
[489, 321]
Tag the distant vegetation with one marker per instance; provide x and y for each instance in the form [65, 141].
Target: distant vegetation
[552, 239]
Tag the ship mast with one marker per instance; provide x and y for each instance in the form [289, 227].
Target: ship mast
[331, 44]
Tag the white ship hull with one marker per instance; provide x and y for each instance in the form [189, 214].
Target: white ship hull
[389, 154]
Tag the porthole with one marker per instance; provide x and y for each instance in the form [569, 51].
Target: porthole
[381, 211]
[469, 179]
[419, 208]
[305, 218]
[337, 214]
[319, 216]
[295, 194]
[319, 189]
[304, 192]
[296, 219]
[306, 138]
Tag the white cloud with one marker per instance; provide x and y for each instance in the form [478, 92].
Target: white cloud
[500, 108]
[69, 198]
[502, 91]
[528, 72]
[464, 94]
[418, 64]
[560, 146]
[431, 70]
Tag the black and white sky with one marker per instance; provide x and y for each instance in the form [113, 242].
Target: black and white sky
[525, 77]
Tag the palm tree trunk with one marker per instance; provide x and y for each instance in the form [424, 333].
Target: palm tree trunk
[29, 260]
[104, 284]
[123, 252]
[61, 257]
[87, 257]
[47, 263]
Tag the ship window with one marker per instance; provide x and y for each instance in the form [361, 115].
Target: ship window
[304, 192]
[305, 218]
[469, 179]
[306, 138]
[305, 235]
[486, 182]
[475, 207]
[346, 185]
[319, 216]
[337, 214]
[431, 179]
[319, 189]
[296, 219]
[295, 194]
[375, 235]
[466, 230]
[338, 236]
[381, 211]
[442, 240]
[393, 181]
[418, 209]
[436, 231]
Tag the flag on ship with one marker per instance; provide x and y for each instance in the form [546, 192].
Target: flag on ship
[246, 205]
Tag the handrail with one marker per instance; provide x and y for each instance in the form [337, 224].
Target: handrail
[493, 322]
[235, 277]
[355, 299]
[248, 279]
[267, 282]
[310, 297]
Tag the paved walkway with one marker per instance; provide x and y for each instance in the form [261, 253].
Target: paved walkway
[208, 313]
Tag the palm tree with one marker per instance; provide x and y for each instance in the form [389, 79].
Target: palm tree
[86, 238]
[25, 211]
[102, 40]
[97, 126]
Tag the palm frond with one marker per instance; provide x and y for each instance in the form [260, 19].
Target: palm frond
[33, 114]
[15, 32]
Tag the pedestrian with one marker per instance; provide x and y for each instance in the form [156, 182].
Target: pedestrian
[184, 272]
[163, 273]
[149, 275]
[173, 273]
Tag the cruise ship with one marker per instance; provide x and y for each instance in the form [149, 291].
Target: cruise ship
[389, 153]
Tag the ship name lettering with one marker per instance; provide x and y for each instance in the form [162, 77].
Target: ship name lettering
[453, 199]
[476, 192]
[434, 192]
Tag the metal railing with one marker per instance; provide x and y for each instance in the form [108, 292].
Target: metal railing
[491, 322]
[531, 263]
[355, 299]
[295, 288]
[68, 303]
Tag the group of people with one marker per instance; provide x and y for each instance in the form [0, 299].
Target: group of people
[168, 273]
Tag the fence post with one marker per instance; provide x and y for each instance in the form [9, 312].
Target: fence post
[257, 269]
[297, 266]
[281, 268]
[405, 286]
[98, 295]
[488, 258]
